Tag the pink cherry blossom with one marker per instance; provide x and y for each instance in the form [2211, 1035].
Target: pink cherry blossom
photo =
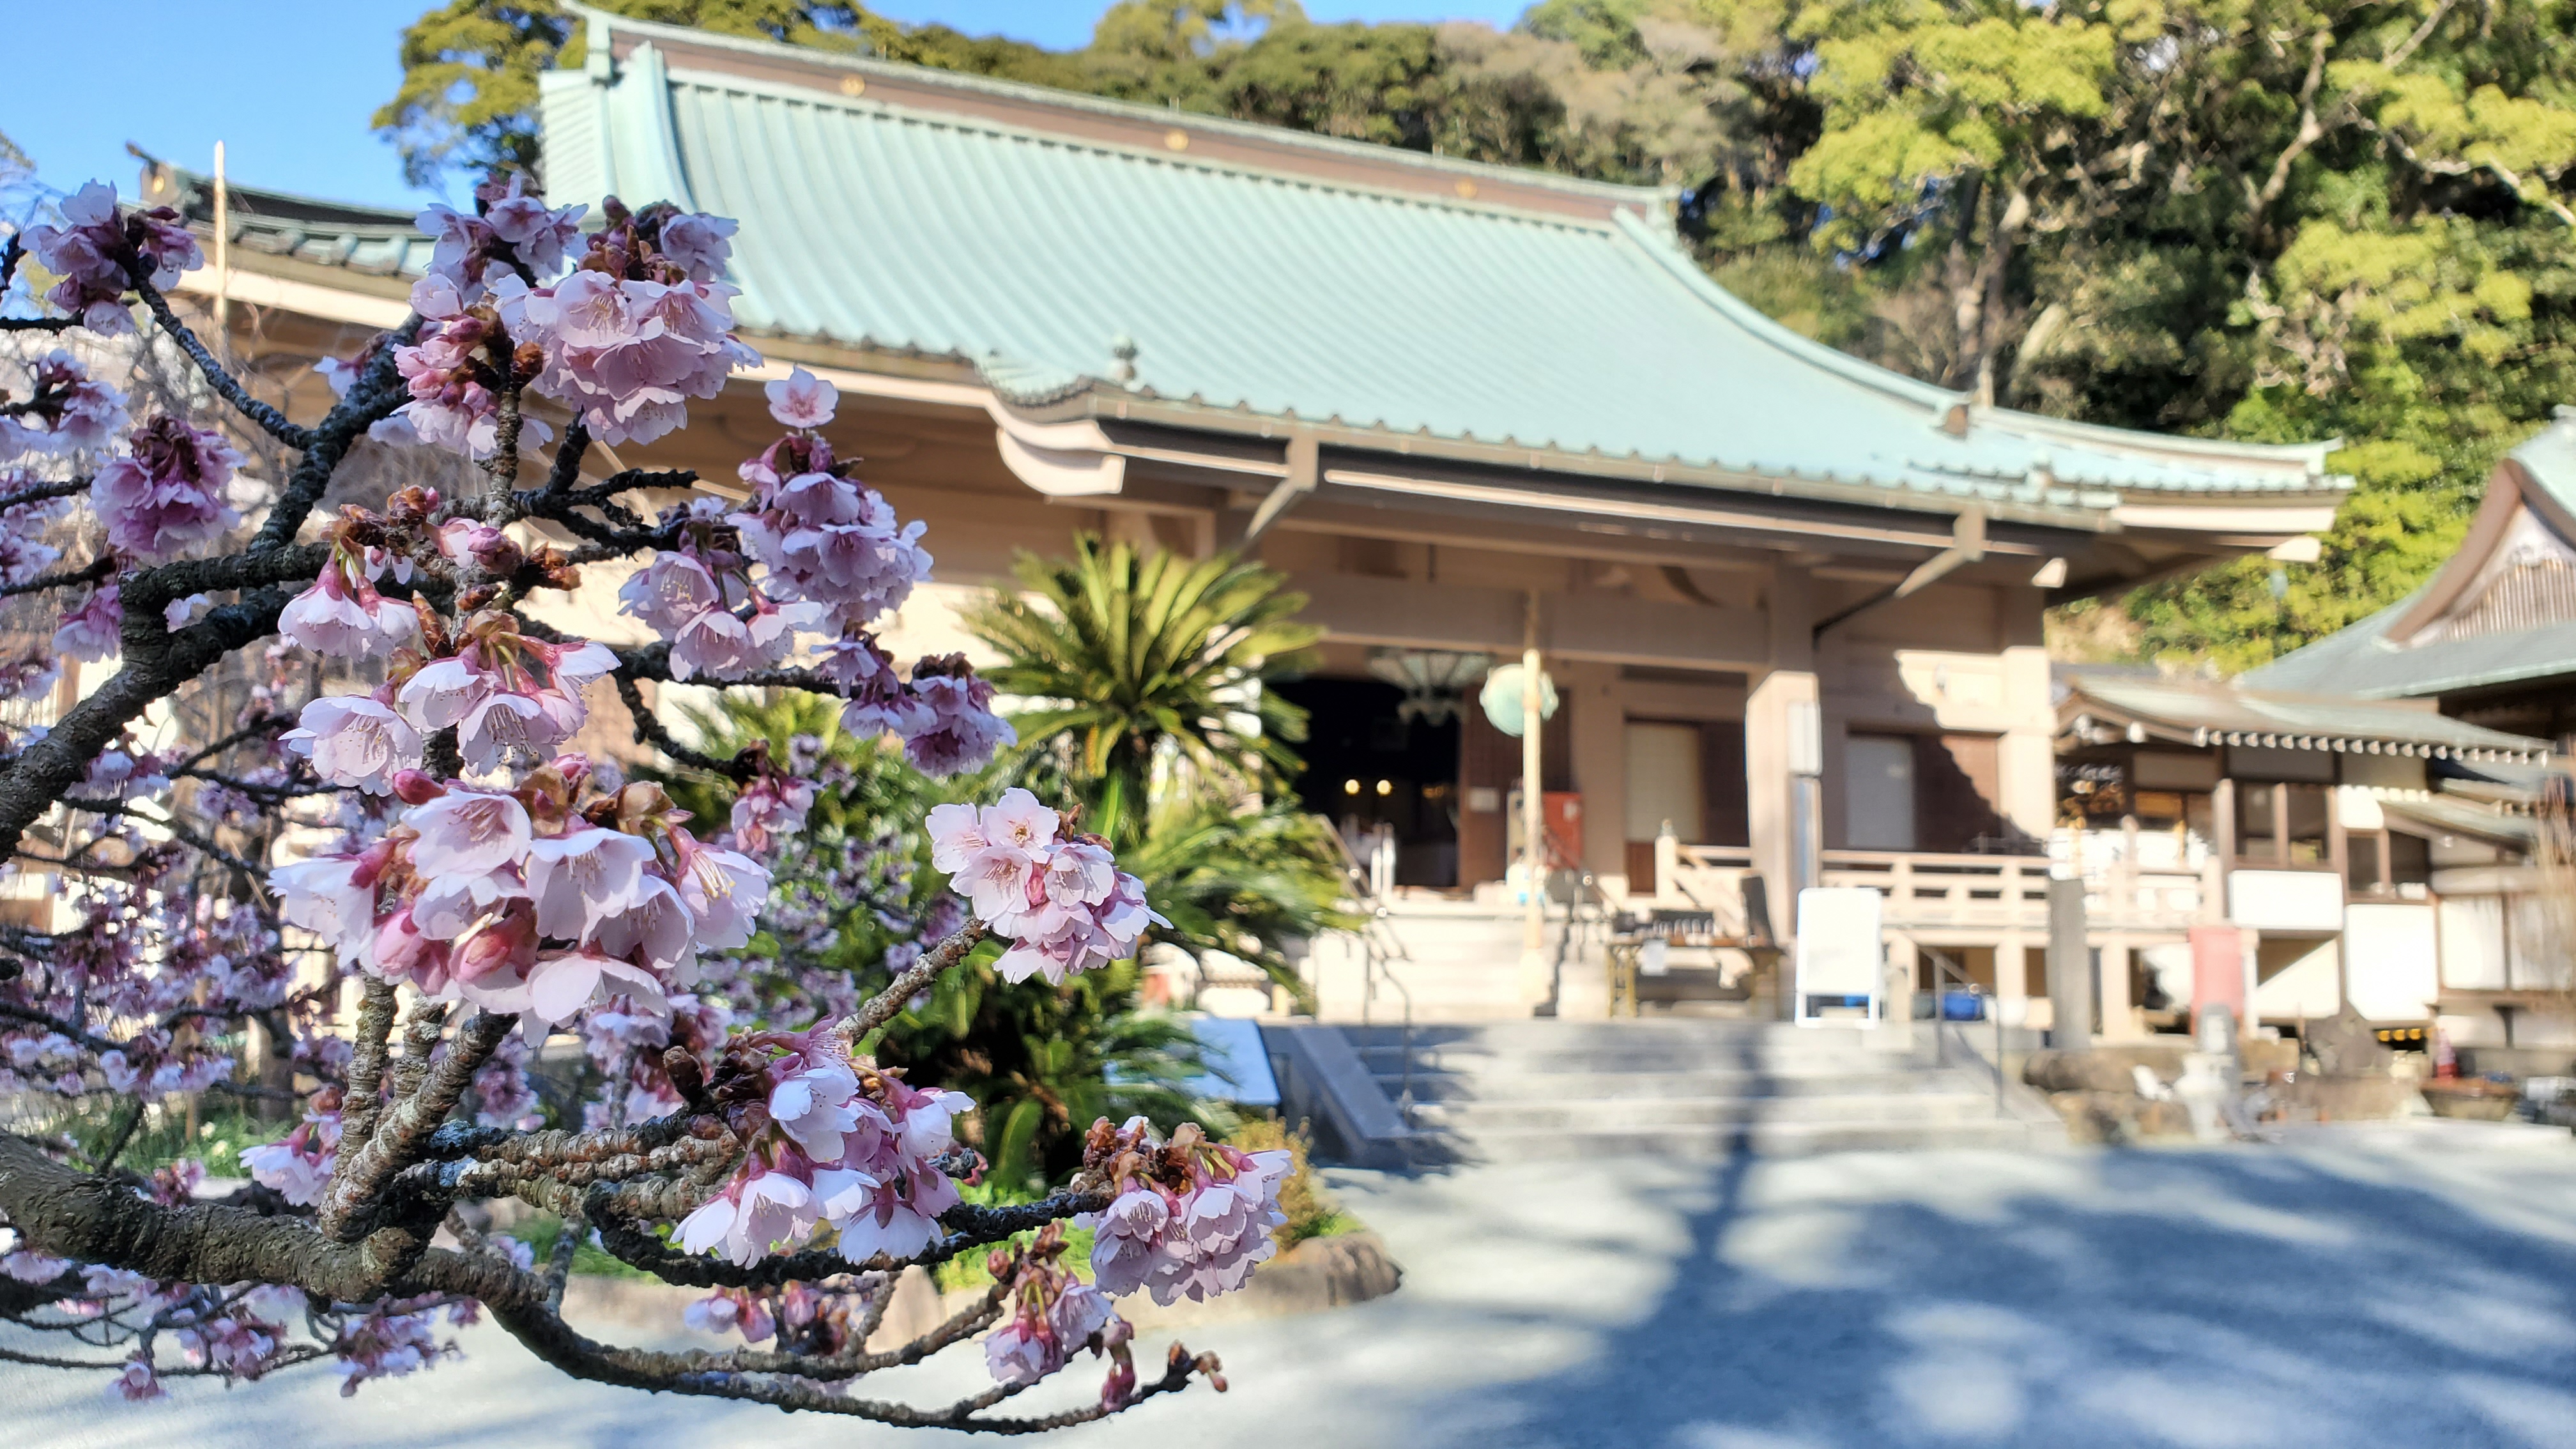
[802, 400]
[66, 412]
[561, 983]
[752, 1217]
[658, 926]
[816, 1106]
[769, 807]
[356, 739]
[168, 491]
[669, 591]
[468, 833]
[333, 896]
[299, 1164]
[499, 948]
[537, 234]
[584, 877]
[136, 1383]
[89, 252]
[724, 891]
[344, 617]
[93, 630]
[626, 354]
[698, 244]
[963, 732]
[1194, 1240]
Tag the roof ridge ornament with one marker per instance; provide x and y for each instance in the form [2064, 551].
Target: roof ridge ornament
[1122, 370]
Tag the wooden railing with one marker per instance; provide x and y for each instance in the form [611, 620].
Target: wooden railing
[1705, 878]
[1949, 892]
[1999, 891]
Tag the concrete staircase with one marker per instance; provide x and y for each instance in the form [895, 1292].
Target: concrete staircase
[1528, 1090]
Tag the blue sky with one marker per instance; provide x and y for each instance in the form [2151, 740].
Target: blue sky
[288, 85]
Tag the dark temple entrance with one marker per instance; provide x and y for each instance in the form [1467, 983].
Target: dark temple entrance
[1366, 766]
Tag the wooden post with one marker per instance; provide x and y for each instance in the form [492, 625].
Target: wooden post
[1534, 981]
[223, 257]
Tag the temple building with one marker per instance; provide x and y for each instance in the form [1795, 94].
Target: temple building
[1790, 602]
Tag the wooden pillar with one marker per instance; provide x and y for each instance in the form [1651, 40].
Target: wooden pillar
[2012, 967]
[1771, 789]
[1536, 987]
[2118, 1024]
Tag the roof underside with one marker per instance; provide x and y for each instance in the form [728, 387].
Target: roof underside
[1032, 254]
[2218, 714]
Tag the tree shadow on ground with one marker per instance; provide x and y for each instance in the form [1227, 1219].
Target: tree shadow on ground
[2204, 1300]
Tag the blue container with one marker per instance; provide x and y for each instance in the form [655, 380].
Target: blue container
[1962, 1006]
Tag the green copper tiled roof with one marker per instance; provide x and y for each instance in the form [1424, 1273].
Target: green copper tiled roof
[2224, 713]
[2361, 660]
[1030, 252]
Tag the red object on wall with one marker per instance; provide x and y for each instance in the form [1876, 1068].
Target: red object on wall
[2218, 970]
[1563, 812]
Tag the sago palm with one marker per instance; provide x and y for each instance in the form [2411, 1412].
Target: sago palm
[1129, 661]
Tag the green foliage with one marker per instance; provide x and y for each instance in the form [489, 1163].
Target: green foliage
[1145, 676]
[1137, 663]
[468, 99]
[1045, 1062]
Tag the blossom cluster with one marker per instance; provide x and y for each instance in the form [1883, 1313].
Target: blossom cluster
[832, 1141]
[94, 247]
[537, 900]
[1064, 903]
[1189, 1218]
[1052, 1315]
[167, 492]
[65, 411]
[831, 555]
[639, 326]
[506, 694]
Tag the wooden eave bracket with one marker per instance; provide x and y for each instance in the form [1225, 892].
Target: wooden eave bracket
[1967, 546]
[1304, 471]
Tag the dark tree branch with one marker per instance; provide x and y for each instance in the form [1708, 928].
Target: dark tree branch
[269, 419]
[372, 399]
[882, 1007]
[44, 492]
[95, 571]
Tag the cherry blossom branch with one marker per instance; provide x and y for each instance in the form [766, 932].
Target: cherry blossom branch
[368, 1163]
[45, 492]
[372, 399]
[882, 1007]
[178, 828]
[374, 1026]
[226, 386]
[649, 731]
[970, 1227]
[104, 566]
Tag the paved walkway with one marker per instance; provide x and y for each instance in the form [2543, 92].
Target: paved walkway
[2362, 1287]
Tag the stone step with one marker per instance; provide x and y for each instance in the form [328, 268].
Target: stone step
[1482, 1064]
[1479, 1120]
[1433, 1085]
[1557, 1034]
[1769, 1139]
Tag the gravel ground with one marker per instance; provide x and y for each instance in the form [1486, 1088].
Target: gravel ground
[2358, 1286]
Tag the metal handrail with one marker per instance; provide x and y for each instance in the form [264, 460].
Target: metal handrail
[1379, 947]
[1945, 970]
